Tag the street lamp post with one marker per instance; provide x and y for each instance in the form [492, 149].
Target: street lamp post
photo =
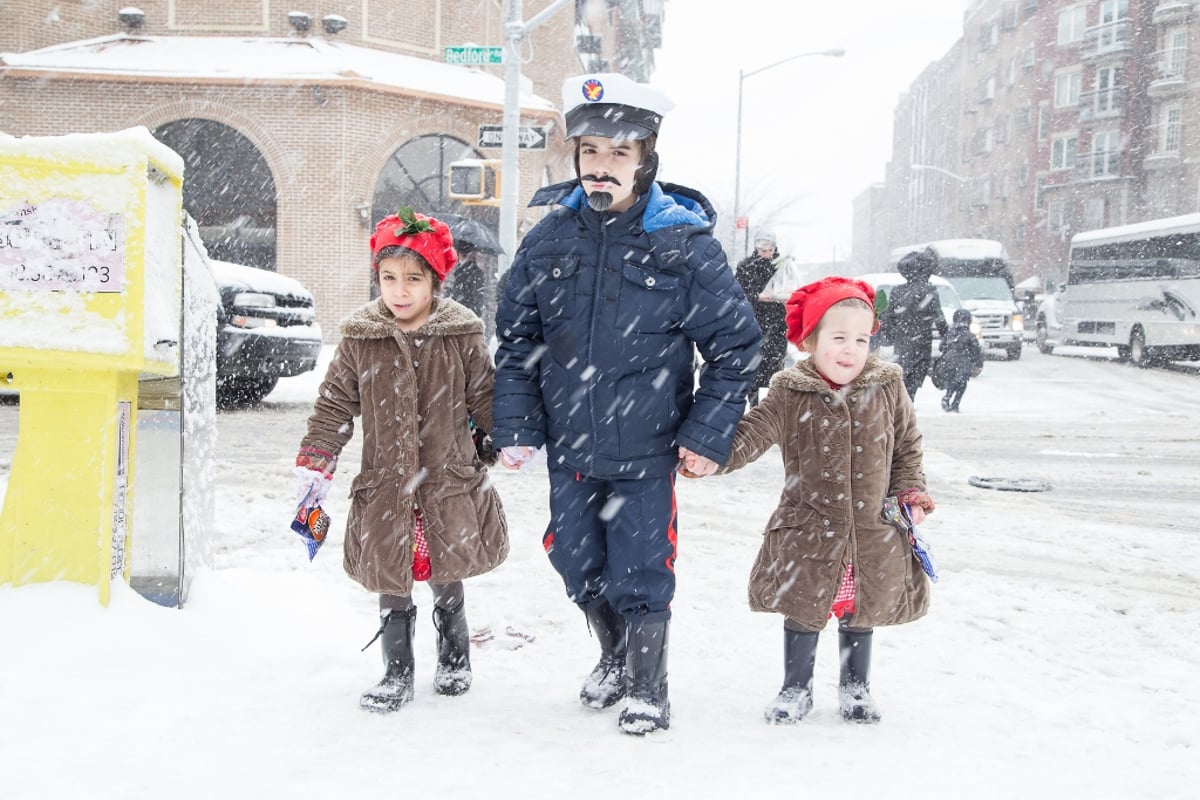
[835, 52]
[940, 171]
[947, 211]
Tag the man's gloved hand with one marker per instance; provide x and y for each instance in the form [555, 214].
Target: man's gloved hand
[515, 457]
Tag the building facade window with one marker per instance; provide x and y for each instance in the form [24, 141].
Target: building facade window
[1071, 24]
[1111, 13]
[1108, 83]
[1063, 151]
[1174, 53]
[1106, 152]
[1169, 129]
[1066, 89]
[1043, 122]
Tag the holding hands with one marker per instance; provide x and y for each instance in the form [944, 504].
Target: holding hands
[694, 465]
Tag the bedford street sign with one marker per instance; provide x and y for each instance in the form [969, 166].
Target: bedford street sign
[474, 55]
[530, 137]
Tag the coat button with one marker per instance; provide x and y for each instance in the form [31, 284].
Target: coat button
[824, 474]
[825, 501]
[858, 475]
[857, 423]
[825, 521]
[650, 280]
[825, 448]
[826, 398]
[556, 272]
[860, 504]
[858, 448]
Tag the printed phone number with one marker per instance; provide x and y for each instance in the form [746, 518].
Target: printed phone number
[96, 278]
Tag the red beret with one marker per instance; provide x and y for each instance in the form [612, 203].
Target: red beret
[809, 303]
[425, 235]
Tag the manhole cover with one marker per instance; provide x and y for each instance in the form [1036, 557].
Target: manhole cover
[1010, 484]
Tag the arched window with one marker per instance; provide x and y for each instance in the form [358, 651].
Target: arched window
[227, 188]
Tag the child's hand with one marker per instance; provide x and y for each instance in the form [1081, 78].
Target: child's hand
[694, 465]
[515, 457]
[917, 514]
[919, 504]
[311, 487]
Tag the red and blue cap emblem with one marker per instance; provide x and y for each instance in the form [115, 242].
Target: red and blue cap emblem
[593, 90]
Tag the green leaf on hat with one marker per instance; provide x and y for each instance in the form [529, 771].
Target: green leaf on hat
[412, 225]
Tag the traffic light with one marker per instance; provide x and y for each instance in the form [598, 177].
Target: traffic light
[475, 181]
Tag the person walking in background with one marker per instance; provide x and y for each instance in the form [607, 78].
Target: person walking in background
[962, 359]
[415, 367]
[914, 310]
[847, 432]
[753, 275]
[606, 301]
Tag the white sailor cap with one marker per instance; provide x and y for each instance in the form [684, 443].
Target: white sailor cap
[612, 106]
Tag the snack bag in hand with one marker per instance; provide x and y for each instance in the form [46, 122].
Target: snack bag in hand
[312, 525]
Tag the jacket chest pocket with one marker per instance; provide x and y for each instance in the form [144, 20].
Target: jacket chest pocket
[649, 299]
[554, 283]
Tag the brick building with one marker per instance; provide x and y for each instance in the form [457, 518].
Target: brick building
[1064, 116]
[299, 130]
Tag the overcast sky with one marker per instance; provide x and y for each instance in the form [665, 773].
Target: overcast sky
[815, 131]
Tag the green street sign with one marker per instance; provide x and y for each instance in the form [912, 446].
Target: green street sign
[474, 55]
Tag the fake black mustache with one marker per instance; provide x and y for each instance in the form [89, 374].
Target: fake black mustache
[601, 179]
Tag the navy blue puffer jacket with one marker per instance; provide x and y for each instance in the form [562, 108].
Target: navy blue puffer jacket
[596, 324]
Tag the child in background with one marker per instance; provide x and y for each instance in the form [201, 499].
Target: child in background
[416, 367]
[962, 359]
[848, 435]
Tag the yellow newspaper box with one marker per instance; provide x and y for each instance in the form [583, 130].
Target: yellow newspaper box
[90, 283]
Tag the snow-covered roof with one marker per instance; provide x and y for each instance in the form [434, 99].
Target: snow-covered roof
[1186, 223]
[964, 249]
[208, 59]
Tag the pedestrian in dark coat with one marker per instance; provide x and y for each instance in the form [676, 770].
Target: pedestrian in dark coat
[845, 427]
[753, 275]
[415, 367]
[962, 359]
[607, 300]
[914, 311]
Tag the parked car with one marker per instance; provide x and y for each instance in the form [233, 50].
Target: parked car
[266, 330]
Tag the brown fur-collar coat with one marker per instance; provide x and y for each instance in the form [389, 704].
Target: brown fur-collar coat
[414, 392]
[844, 452]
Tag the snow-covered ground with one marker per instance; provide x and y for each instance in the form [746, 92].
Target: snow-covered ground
[1059, 658]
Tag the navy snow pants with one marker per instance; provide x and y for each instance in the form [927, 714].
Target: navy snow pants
[614, 538]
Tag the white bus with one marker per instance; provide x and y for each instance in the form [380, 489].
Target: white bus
[1133, 287]
[979, 271]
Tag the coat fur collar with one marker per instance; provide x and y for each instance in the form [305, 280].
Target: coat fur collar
[803, 377]
[375, 321]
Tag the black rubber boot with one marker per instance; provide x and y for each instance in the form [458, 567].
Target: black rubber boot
[794, 700]
[396, 688]
[647, 708]
[606, 684]
[453, 675]
[854, 687]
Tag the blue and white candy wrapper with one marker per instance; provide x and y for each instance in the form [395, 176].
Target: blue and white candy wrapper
[899, 515]
[311, 523]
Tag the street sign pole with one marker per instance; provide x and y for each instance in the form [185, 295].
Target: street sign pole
[514, 32]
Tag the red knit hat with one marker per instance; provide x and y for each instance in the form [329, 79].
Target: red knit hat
[425, 235]
[809, 303]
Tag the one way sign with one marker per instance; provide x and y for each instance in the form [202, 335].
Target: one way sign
[529, 137]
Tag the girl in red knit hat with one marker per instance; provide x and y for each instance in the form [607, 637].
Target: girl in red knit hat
[414, 365]
[845, 427]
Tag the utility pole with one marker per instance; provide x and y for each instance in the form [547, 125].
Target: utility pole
[510, 167]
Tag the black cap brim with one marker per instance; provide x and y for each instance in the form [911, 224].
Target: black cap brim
[611, 121]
